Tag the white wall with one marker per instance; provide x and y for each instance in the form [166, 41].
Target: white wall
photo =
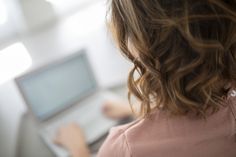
[11, 109]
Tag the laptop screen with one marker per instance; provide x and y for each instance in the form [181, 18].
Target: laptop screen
[55, 87]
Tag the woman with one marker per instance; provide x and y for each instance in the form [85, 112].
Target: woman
[185, 54]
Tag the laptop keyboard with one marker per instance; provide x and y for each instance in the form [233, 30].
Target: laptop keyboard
[93, 131]
[90, 119]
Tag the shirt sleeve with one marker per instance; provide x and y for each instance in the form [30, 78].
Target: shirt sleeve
[115, 145]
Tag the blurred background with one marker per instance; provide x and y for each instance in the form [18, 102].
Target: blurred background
[34, 33]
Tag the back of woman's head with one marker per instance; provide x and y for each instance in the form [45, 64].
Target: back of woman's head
[183, 50]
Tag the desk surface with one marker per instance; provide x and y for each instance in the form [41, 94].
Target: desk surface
[31, 145]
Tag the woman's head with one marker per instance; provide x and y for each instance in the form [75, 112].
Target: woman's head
[183, 50]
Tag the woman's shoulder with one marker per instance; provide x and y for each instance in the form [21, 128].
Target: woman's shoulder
[117, 143]
[120, 140]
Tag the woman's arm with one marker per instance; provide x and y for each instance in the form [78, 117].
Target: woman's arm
[80, 152]
[71, 138]
[119, 109]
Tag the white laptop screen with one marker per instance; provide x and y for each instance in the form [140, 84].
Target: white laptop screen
[55, 87]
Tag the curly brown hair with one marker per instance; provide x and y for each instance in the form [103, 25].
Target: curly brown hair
[186, 52]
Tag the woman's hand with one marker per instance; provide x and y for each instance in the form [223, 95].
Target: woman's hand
[71, 137]
[117, 110]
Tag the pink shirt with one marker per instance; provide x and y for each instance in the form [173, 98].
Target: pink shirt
[162, 136]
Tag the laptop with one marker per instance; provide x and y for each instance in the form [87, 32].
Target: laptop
[63, 92]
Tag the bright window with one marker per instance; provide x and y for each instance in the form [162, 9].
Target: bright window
[14, 60]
